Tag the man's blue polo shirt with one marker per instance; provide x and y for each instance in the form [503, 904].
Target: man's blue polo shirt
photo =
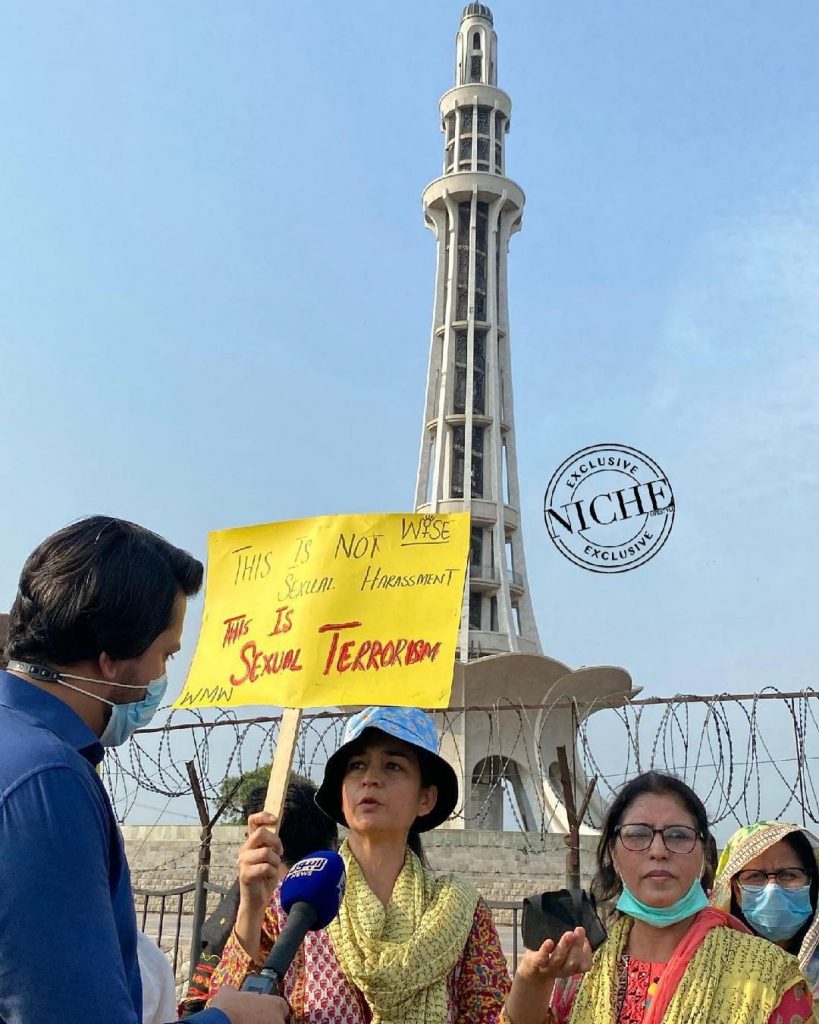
[67, 922]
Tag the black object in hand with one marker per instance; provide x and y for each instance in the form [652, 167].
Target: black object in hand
[552, 914]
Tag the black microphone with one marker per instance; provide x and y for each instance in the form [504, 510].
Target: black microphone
[311, 895]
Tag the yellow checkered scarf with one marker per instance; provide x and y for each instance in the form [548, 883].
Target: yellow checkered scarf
[733, 978]
[400, 956]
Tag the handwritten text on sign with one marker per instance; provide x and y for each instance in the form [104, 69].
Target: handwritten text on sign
[336, 610]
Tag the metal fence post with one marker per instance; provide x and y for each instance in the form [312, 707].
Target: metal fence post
[200, 895]
[574, 819]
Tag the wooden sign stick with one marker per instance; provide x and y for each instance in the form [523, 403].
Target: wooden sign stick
[282, 763]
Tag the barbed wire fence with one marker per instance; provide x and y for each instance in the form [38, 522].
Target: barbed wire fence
[747, 755]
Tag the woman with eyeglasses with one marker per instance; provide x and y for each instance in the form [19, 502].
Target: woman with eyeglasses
[669, 956]
[767, 877]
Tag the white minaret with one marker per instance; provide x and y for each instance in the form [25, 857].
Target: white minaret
[468, 463]
[468, 460]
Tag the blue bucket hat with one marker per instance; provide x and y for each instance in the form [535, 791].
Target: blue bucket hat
[411, 725]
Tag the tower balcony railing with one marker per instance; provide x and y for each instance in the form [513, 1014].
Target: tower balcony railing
[490, 574]
[484, 573]
[460, 185]
[484, 511]
[456, 419]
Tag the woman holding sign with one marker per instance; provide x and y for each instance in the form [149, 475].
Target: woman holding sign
[407, 945]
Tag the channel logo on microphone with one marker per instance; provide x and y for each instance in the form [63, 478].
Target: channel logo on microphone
[318, 882]
[308, 866]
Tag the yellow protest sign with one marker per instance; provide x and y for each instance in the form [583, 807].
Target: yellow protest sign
[331, 611]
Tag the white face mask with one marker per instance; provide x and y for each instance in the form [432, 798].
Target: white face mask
[125, 718]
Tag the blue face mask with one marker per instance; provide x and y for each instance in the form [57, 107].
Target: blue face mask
[127, 718]
[776, 913]
[692, 903]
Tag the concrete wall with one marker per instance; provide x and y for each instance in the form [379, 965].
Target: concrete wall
[502, 865]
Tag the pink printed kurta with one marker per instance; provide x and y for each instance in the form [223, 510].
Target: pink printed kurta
[319, 992]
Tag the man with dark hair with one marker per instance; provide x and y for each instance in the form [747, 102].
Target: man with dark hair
[4, 635]
[305, 828]
[98, 613]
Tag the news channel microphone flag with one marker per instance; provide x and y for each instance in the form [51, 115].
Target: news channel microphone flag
[310, 895]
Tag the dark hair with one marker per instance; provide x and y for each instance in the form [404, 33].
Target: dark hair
[800, 844]
[428, 776]
[98, 585]
[417, 847]
[4, 633]
[711, 862]
[606, 884]
[305, 827]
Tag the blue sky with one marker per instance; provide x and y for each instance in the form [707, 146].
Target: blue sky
[216, 288]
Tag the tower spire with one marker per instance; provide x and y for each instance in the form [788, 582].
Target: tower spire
[476, 47]
[468, 457]
[468, 463]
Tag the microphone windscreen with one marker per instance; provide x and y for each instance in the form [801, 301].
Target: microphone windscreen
[318, 880]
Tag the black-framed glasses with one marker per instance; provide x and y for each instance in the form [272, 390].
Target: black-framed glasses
[676, 838]
[786, 878]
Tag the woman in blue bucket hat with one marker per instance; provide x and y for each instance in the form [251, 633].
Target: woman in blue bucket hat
[407, 946]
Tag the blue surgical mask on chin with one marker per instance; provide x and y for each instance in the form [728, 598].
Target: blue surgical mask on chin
[127, 718]
[775, 913]
[692, 903]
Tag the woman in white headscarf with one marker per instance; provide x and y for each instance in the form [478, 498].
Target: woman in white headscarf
[768, 877]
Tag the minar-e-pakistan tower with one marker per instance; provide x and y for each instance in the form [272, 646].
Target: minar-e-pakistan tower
[468, 460]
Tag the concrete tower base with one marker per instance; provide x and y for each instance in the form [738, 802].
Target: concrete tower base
[517, 744]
